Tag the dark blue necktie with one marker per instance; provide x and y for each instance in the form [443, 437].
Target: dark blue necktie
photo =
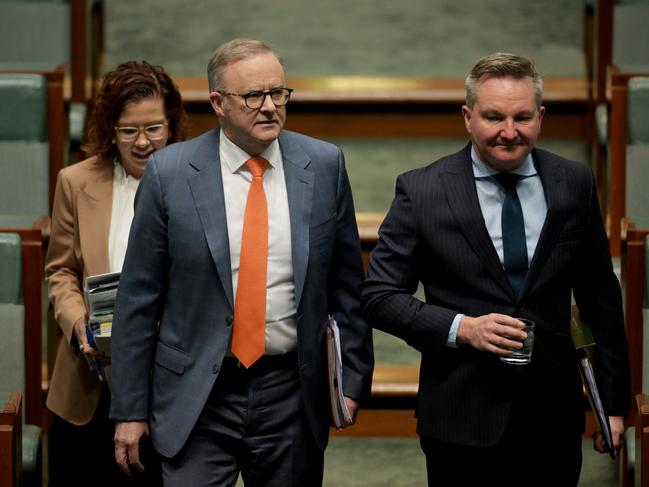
[513, 228]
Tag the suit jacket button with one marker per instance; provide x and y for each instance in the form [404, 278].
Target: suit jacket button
[215, 369]
[228, 320]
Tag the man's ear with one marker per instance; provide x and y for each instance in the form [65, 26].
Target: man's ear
[216, 100]
[466, 114]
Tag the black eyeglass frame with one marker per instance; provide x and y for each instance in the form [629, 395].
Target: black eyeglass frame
[246, 96]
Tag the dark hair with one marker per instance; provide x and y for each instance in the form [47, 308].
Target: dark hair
[503, 65]
[131, 82]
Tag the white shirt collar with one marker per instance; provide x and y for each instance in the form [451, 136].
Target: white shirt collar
[235, 157]
[482, 170]
[120, 176]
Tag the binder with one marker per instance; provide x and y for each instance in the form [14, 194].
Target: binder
[340, 414]
[583, 339]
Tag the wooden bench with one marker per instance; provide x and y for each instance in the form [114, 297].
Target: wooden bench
[633, 282]
[374, 107]
[36, 369]
[633, 285]
[642, 440]
[617, 147]
[10, 439]
[390, 411]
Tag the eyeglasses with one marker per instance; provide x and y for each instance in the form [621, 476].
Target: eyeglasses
[153, 132]
[256, 99]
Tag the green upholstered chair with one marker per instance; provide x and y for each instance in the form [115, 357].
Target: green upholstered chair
[51, 35]
[24, 149]
[634, 439]
[637, 151]
[638, 110]
[640, 433]
[34, 35]
[26, 187]
[12, 347]
[630, 36]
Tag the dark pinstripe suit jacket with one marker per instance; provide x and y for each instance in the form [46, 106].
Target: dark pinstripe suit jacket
[434, 233]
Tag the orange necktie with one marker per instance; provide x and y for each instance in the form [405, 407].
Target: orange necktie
[249, 334]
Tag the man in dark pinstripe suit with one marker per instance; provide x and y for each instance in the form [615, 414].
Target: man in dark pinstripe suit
[480, 419]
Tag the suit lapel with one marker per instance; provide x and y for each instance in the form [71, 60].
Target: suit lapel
[556, 195]
[206, 186]
[299, 189]
[94, 206]
[462, 197]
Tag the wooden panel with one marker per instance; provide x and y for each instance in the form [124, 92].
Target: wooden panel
[386, 90]
[604, 47]
[8, 463]
[338, 120]
[394, 107]
[382, 422]
[57, 127]
[642, 441]
[10, 441]
[395, 381]
[78, 41]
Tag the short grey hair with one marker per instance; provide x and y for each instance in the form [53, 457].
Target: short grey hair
[231, 52]
[503, 65]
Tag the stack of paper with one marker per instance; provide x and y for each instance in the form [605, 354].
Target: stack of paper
[101, 292]
[339, 412]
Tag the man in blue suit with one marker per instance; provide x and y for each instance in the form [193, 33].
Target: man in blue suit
[212, 409]
[495, 232]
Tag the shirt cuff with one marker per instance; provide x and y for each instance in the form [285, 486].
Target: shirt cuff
[451, 341]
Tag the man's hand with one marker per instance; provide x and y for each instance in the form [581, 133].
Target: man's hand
[128, 436]
[494, 333]
[617, 432]
[352, 407]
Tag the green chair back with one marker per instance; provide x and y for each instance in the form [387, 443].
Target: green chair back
[637, 151]
[12, 319]
[638, 110]
[34, 35]
[631, 36]
[24, 147]
[12, 348]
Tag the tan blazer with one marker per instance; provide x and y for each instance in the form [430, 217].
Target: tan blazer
[78, 248]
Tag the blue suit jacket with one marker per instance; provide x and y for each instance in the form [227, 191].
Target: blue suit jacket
[435, 234]
[177, 273]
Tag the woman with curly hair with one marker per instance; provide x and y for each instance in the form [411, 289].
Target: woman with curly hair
[137, 111]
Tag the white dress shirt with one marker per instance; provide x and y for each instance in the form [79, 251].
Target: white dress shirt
[121, 217]
[281, 324]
